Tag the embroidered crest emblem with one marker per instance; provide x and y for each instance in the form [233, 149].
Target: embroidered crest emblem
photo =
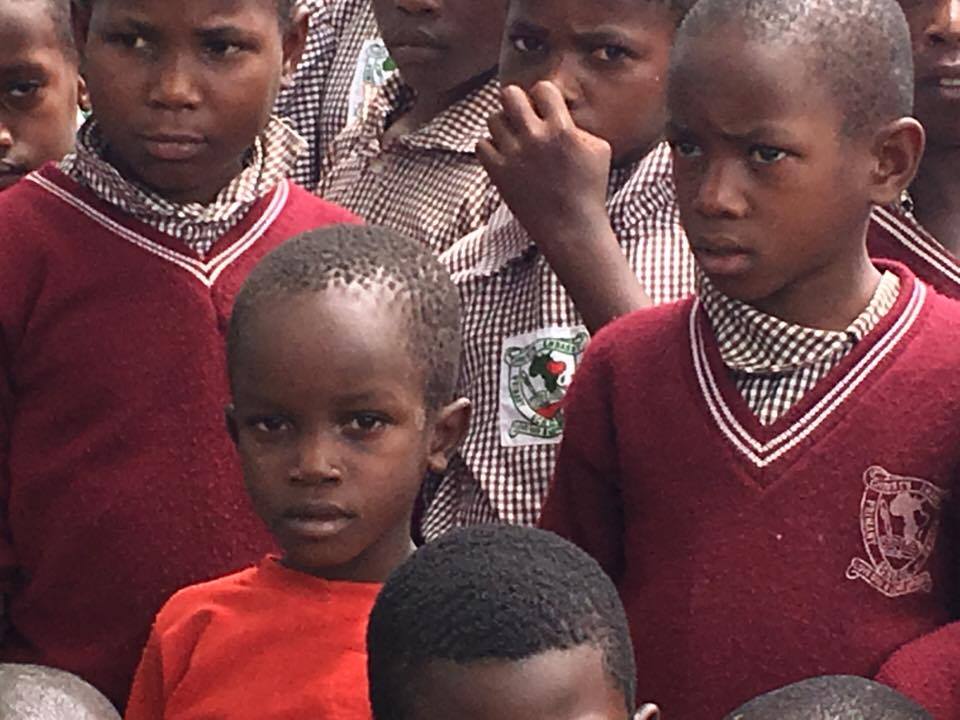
[536, 371]
[899, 519]
[374, 67]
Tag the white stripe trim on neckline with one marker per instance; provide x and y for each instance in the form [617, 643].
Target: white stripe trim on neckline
[206, 272]
[764, 454]
[924, 247]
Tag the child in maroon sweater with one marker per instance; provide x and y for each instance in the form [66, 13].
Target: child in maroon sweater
[118, 267]
[764, 469]
[923, 229]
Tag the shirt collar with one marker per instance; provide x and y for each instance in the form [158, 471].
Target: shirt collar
[752, 342]
[457, 129]
[271, 159]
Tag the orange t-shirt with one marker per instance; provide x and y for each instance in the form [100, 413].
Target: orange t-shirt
[264, 642]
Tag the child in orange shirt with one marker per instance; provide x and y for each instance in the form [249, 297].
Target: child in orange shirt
[338, 414]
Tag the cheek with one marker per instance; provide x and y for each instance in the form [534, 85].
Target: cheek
[630, 111]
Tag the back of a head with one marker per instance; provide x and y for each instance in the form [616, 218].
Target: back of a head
[860, 48]
[492, 593]
[28, 692]
[832, 697]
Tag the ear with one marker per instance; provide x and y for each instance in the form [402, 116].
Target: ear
[230, 416]
[80, 21]
[450, 425]
[83, 95]
[648, 711]
[294, 43]
[897, 151]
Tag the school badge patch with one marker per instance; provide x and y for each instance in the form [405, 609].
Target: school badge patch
[899, 519]
[535, 371]
[374, 67]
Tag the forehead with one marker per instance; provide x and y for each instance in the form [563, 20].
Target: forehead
[26, 26]
[334, 338]
[185, 12]
[578, 16]
[725, 79]
[554, 685]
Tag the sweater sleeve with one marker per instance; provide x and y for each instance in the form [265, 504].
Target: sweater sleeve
[928, 671]
[584, 504]
[147, 694]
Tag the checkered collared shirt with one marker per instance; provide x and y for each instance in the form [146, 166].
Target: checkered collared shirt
[318, 102]
[775, 363]
[428, 184]
[198, 225]
[523, 338]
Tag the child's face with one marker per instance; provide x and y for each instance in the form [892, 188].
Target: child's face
[935, 29]
[39, 88]
[440, 46]
[555, 685]
[771, 193]
[332, 429]
[608, 57]
[181, 88]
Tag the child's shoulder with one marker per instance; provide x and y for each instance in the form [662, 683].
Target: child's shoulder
[648, 330]
[304, 204]
[205, 599]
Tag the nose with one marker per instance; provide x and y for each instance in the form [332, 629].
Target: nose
[564, 73]
[418, 7]
[944, 26]
[175, 86]
[6, 138]
[317, 460]
[718, 194]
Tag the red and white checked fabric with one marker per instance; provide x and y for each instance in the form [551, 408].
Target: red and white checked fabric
[198, 225]
[509, 290]
[428, 184]
[775, 363]
[318, 101]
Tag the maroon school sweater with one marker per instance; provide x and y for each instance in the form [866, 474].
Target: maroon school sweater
[118, 483]
[896, 237]
[749, 557]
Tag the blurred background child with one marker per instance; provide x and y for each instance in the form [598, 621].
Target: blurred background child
[40, 87]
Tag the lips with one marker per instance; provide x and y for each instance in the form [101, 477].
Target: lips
[721, 256]
[173, 146]
[317, 520]
[411, 47]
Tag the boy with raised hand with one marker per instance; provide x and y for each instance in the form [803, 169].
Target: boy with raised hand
[118, 485]
[765, 469]
[922, 229]
[409, 160]
[589, 231]
[836, 697]
[40, 86]
[338, 412]
[501, 623]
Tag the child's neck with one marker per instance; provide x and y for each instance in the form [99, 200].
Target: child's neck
[936, 196]
[828, 300]
[429, 103]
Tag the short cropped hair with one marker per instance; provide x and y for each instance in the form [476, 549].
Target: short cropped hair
[831, 697]
[34, 691]
[860, 47]
[492, 593]
[59, 13]
[370, 257]
[285, 9]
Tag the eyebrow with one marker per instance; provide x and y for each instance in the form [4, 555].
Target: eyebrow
[23, 67]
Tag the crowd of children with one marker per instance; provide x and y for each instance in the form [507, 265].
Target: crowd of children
[291, 287]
